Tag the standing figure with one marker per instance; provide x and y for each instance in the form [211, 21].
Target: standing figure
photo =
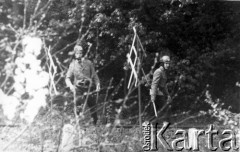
[85, 79]
[159, 91]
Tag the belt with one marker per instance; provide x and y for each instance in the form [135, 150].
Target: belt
[158, 92]
[83, 83]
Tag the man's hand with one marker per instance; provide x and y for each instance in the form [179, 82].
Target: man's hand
[72, 88]
[152, 99]
[70, 85]
[154, 105]
[98, 87]
[169, 99]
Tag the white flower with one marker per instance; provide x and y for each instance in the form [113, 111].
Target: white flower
[9, 105]
[18, 87]
[35, 81]
[30, 59]
[32, 45]
[19, 77]
[20, 63]
[44, 78]
[34, 105]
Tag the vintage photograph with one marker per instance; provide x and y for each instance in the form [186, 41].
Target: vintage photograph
[119, 75]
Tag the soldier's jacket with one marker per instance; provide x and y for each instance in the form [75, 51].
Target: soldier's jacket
[159, 83]
[82, 71]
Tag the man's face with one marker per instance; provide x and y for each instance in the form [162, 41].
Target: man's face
[166, 65]
[78, 53]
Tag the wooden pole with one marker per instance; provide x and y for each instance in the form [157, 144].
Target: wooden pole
[139, 85]
[139, 104]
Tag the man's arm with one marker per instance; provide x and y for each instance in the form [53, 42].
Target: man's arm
[165, 89]
[156, 78]
[167, 93]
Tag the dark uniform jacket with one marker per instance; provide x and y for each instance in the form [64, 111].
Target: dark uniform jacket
[159, 83]
[82, 72]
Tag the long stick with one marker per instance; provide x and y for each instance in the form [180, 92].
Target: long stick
[139, 85]
[86, 99]
[133, 69]
[140, 105]
[105, 100]
[154, 107]
[52, 66]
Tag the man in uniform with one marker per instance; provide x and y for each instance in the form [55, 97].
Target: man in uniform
[159, 91]
[84, 78]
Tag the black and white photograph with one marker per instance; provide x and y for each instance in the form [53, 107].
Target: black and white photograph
[119, 75]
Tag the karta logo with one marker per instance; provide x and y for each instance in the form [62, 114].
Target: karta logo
[189, 138]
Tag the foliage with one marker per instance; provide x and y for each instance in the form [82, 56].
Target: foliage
[201, 37]
[227, 117]
[196, 35]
